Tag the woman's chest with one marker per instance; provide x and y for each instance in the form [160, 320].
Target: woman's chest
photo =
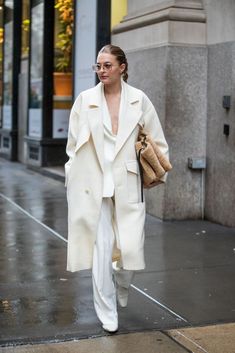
[113, 108]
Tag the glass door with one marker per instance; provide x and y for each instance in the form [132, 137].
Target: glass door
[1, 58]
[36, 70]
[63, 75]
[7, 66]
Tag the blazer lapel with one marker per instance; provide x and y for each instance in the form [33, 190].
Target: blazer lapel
[96, 124]
[129, 118]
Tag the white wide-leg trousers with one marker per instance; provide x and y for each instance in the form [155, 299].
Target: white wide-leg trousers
[104, 289]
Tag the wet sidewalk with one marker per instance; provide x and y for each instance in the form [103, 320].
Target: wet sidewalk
[209, 339]
[188, 280]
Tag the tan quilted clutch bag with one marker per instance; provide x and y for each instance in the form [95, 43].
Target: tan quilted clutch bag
[152, 162]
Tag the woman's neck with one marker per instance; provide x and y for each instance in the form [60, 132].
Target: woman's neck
[113, 89]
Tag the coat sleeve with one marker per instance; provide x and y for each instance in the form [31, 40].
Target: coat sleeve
[153, 126]
[72, 135]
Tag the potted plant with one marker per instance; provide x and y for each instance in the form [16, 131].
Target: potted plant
[63, 58]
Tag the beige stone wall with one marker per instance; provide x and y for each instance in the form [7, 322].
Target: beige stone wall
[182, 54]
[220, 16]
[165, 42]
[220, 173]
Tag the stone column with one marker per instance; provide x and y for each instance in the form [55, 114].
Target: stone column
[220, 176]
[165, 42]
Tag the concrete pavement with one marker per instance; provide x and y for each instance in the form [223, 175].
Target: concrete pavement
[149, 342]
[209, 339]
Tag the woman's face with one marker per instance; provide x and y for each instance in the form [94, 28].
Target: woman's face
[110, 71]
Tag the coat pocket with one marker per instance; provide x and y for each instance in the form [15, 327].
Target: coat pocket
[132, 180]
[83, 137]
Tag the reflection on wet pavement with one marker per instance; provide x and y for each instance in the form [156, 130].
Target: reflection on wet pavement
[190, 269]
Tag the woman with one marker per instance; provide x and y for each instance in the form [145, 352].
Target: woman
[105, 211]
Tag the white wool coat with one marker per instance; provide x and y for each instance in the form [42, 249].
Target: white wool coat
[84, 175]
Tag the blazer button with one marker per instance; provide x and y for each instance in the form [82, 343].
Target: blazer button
[87, 191]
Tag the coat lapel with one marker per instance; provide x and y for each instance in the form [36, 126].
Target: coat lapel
[96, 123]
[130, 116]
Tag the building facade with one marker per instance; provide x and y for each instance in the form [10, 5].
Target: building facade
[181, 53]
[40, 66]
